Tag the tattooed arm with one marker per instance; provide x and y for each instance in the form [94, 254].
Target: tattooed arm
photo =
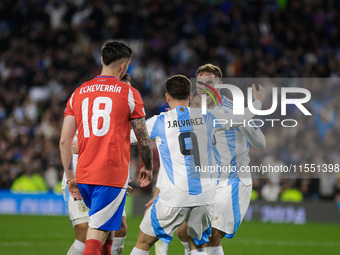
[145, 150]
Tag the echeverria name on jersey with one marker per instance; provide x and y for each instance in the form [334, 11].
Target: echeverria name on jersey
[100, 87]
[187, 122]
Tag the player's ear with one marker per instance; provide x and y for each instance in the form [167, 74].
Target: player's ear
[122, 66]
[122, 69]
[101, 60]
[190, 97]
[167, 97]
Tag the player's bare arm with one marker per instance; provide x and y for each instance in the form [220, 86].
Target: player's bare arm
[67, 133]
[255, 135]
[145, 149]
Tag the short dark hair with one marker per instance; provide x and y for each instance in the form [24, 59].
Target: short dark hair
[113, 51]
[178, 87]
[210, 68]
[126, 78]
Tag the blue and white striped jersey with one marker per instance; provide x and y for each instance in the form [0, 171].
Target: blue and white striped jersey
[231, 147]
[184, 141]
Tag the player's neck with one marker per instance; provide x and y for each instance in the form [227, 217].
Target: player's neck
[177, 103]
[210, 105]
[110, 72]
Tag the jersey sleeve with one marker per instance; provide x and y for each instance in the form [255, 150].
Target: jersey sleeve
[136, 104]
[254, 135]
[69, 106]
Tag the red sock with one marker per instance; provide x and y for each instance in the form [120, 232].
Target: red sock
[93, 247]
[107, 247]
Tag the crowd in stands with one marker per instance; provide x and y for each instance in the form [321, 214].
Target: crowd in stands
[48, 48]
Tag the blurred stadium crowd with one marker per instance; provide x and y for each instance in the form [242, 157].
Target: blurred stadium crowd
[48, 48]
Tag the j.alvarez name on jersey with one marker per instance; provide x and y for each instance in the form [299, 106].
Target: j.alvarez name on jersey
[187, 122]
[100, 87]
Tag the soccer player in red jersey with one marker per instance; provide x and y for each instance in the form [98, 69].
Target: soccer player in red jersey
[79, 213]
[103, 110]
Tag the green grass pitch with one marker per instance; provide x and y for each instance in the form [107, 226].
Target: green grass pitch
[42, 235]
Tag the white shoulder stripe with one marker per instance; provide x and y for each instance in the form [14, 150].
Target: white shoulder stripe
[71, 101]
[131, 101]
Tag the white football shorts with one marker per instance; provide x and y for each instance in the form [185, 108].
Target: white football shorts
[162, 221]
[77, 210]
[232, 202]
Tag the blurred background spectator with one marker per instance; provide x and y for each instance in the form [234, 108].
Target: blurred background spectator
[48, 48]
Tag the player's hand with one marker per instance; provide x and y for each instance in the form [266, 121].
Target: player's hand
[73, 189]
[260, 94]
[75, 148]
[128, 190]
[149, 203]
[145, 177]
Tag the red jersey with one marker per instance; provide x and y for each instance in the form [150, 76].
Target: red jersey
[103, 108]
